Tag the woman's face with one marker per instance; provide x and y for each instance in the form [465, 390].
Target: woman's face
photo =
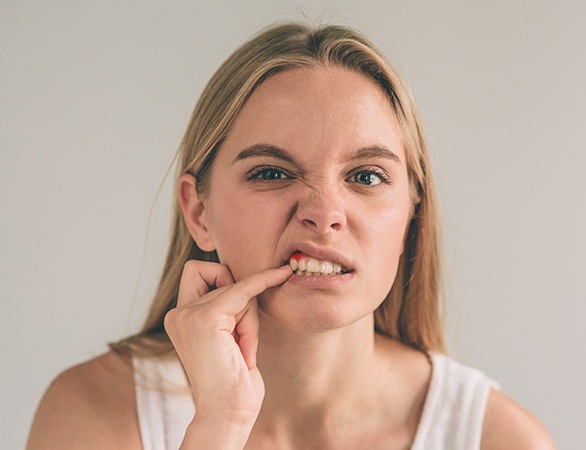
[314, 163]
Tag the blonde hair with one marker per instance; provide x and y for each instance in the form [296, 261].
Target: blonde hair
[411, 312]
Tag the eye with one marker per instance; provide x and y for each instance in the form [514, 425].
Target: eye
[267, 173]
[369, 177]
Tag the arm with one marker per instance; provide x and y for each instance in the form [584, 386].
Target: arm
[88, 406]
[508, 426]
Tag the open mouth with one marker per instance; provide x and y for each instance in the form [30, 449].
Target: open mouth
[305, 265]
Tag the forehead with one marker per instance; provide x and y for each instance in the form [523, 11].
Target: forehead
[334, 109]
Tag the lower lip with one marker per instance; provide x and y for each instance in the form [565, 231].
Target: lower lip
[320, 281]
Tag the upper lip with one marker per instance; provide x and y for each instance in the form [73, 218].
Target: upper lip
[320, 253]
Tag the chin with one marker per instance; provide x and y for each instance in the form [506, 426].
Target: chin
[314, 314]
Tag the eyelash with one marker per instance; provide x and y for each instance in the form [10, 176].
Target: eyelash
[254, 175]
[384, 178]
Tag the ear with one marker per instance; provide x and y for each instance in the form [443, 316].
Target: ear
[194, 213]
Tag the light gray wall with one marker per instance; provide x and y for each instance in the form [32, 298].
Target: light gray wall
[95, 97]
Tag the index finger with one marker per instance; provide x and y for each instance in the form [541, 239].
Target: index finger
[242, 291]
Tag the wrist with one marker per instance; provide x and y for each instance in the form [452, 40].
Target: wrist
[217, 434]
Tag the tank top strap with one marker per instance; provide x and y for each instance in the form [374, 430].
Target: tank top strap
[454, 408]
[164, 402]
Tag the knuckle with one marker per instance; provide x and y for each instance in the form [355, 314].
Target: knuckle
[244, 283]
[247, 287]
[184, 320]
[224, 270]
[191, 265]
[169, 319]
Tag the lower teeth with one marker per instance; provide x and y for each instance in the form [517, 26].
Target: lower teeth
[314, 274]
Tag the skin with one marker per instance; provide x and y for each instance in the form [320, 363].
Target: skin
[288, 364]
[252, 222]
[317, 203]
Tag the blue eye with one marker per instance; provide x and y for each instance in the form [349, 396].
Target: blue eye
[367, 178]
[272, 174]
[268, 174]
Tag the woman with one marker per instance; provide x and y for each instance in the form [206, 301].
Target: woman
[299, 303]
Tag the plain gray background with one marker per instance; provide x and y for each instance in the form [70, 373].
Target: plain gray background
[95, 98]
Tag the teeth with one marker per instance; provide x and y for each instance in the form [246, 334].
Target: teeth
[313, 267]
[302, 265]
[326, 267]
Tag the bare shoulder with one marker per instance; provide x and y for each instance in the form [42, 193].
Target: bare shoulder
[507, 425]
[91, 405]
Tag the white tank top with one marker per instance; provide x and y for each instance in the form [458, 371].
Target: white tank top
[452, 415]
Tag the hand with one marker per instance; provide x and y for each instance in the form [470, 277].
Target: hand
[215, 334]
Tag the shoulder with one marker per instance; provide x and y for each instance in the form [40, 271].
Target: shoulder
[91, 405]
[507, 425]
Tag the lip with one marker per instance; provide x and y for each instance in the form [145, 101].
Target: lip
[319, 253]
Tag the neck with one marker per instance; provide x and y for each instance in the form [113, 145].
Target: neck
[317, 378]
[335, 388]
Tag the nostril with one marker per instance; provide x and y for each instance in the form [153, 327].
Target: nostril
[336, 226]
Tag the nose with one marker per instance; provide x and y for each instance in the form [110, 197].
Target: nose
[322, 211]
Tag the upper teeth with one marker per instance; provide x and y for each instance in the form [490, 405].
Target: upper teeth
[312, 266]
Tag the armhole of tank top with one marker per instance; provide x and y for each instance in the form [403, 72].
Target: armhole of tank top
[482, 394]
[434, 415]
[478, 410]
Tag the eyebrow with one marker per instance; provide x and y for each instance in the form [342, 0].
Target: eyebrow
[376, 151]
[260, 150]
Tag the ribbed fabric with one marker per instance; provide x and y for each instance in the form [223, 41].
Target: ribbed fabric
[454, 408]
[164, 403]
[451, 420]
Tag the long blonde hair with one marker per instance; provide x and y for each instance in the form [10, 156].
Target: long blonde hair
[411, 312]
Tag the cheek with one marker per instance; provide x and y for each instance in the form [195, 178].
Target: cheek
[387, 236]
[243, 228]
[388, 225]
